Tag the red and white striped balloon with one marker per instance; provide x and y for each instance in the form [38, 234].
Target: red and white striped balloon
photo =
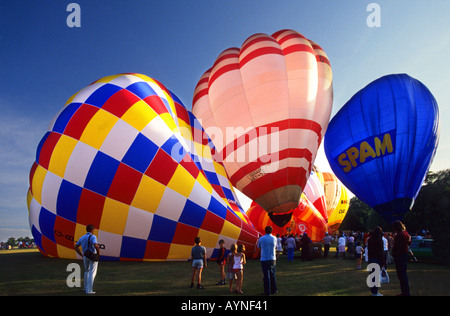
[266, 107]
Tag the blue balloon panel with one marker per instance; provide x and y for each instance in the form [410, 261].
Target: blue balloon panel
[382, 142]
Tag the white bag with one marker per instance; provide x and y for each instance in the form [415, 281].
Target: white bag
[384, 276]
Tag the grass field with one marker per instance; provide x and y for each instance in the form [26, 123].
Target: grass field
[27, 272]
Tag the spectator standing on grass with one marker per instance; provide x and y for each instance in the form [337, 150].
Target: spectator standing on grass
[279, 246]
[400, 252]
[198, 255]
[88, 242]
[390, 240]
[385, 249]
[341, 245]
[290, 245]
[376, 253]
[230, 262]
[351, 244]
[306, 247]
[326, 244]
[267, 244]
[221, 261]
[238, 267]
[358, 254]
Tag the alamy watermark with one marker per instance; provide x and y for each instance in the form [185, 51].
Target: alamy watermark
[377, 275]
[374, 18]
[74, 18]
[74, 277]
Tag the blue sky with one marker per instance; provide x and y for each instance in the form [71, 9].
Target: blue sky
[44, 62]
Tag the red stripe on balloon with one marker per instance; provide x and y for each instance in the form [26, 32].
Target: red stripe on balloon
[260, 52]
[270, 128]
[298, 48]
[221, 71]
[255, 39]
[274, 157]
[199, 95]
[287, 36]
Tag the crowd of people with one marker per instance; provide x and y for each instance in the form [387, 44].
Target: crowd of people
[376, 246]
[231, 264]
[18, 245]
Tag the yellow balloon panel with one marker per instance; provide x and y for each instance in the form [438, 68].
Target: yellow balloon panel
[338, 215]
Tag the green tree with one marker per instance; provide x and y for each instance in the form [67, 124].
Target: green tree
[361, 217]
[431, 211]
[12, 241]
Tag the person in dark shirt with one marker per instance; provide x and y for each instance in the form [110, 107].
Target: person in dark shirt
[400, 251]
[221, 261]
[376, 252]
[198, 255]
[306, 244]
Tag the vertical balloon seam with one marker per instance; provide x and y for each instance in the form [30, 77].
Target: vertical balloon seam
[381, 163]
[290, 109]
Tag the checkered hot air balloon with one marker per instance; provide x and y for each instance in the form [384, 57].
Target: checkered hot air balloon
[125, 155]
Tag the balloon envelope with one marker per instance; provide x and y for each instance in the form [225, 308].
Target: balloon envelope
[126, 156]
[315, 194]
[266, 107]
[332, 190]
[338, 215]
[305, 219]
[382, 142]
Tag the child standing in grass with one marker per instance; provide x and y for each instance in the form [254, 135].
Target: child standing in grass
[221, 261]
[230, 262]
[238, 267]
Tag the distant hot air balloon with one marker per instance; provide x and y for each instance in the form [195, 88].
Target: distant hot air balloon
[382, 142]
[125, 155]
[266, 107]
[314, 192]
[319, 174]
[305, 219]
[332, 189]
[338, 215]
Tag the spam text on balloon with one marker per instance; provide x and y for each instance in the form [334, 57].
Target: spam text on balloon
[367, 150]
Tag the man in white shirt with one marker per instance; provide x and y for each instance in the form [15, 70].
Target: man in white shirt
[385, 250]
[341, 245]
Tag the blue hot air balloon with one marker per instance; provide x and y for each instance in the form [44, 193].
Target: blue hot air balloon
[382, 142]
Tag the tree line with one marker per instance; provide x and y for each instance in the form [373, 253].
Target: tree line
[15, 242]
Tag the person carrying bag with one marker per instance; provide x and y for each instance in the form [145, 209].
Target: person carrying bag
[91, 255]
[94, 256]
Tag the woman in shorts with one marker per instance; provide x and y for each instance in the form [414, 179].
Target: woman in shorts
[198, 255]
[238, 267]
